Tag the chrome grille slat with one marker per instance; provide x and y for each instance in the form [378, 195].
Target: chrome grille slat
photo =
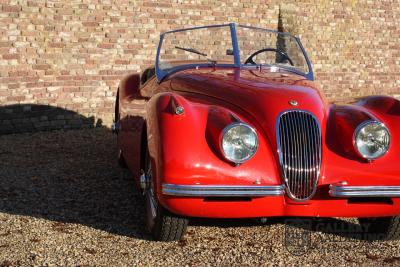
[303, 157]
[299, 148]
[304, 178]
[298, 152]
[310, 147]
[307, 153]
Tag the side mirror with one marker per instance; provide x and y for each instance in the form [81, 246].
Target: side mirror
[146, 75]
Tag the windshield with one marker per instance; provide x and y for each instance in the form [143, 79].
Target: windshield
[230, 45]
[199, 45]
[259, 46]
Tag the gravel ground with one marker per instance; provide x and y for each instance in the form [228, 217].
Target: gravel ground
[64, 201]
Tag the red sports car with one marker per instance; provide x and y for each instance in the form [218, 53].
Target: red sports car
[236, 128]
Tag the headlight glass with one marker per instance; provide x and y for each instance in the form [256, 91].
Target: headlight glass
[372, 139]
[239, 142]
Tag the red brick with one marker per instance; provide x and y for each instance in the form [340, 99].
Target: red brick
[15, 98]
[10, 8]
[5, 44]
[82, 49]
[90, 23]
[105, 46]
[11, 56]
[41, 67]
[33, 3]
[121, 62]
[56, 45]
[13, 85]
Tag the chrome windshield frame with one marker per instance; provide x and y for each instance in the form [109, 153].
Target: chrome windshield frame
[163, 73]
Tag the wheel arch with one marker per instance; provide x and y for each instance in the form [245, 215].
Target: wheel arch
[143, 146]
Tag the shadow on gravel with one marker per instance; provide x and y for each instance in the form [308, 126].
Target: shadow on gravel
[65, 176]
[73, 177]
[339, 228]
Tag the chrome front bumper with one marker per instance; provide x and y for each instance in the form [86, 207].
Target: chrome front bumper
[335, 190]
[364, 191]
[222, 190]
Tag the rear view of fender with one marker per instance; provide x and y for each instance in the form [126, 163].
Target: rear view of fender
[130, 122]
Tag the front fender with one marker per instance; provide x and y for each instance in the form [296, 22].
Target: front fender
[184, 150]
[342, 163]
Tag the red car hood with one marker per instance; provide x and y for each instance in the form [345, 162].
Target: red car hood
[261, 94]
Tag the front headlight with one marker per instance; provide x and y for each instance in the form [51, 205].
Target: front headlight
[239, 142]
[372, 139]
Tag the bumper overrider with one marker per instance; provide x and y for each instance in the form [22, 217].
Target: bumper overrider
[336, 190]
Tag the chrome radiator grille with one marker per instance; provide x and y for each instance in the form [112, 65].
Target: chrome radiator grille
[299, 148]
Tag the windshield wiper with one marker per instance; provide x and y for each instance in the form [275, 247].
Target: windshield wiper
[195, 51]
[191, 50]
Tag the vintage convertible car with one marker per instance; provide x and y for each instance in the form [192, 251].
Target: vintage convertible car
[236, 128]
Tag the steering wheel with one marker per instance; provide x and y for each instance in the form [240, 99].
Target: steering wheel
[282, 54]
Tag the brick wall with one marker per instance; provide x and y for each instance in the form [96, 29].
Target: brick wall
[72, 54]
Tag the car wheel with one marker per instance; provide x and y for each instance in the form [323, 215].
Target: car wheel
[162, 224]
[116, 110]
[121, 160]
[384, 228]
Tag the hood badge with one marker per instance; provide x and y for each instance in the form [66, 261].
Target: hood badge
[293, 103]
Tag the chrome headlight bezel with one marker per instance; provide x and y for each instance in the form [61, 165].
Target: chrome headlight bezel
[226, 130]
[360, 128]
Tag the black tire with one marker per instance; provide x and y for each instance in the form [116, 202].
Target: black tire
[168, 226]
[162, 224]
[381, 228]
[116, 110]
[121, 160]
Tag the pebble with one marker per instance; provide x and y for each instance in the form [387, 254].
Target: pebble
[65, 202]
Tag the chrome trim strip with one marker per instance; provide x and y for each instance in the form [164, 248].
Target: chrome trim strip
[364, 191]
[222, 190]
